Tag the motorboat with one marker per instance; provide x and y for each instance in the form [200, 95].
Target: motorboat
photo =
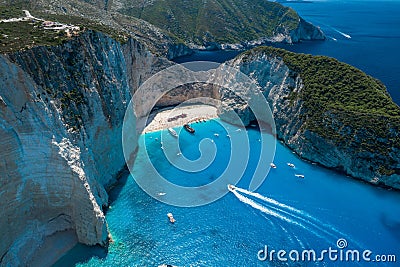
[291, 165]
[273, 166]
[173, 132]
[231, 187]
[188, 128]
[299, 175]
[171, 217]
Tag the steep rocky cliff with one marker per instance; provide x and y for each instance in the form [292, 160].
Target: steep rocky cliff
[216, 24]
[175, 28]
[305, 31]
[61, 111]
[329, 112]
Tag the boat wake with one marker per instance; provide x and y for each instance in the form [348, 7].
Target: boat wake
[288, 214]
[333, 38]
[348, 36]
[342, 33]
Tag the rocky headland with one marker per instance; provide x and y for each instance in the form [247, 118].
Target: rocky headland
[328, 112]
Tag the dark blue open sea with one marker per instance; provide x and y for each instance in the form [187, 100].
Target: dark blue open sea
[288, 212]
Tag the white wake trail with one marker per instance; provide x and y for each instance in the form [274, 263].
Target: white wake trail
[290, 215]
[269, 200]
[342, 33]
[261, 208]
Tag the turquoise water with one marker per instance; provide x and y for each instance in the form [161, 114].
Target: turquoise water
[311, 212]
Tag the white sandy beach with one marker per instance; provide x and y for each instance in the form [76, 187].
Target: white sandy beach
[171, 117]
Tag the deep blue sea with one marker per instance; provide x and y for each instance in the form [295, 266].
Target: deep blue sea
[289, 212]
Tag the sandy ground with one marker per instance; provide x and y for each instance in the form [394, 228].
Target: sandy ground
[53, 248]
[171, 117]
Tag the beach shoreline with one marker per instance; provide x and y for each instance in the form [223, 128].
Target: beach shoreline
[177, 116]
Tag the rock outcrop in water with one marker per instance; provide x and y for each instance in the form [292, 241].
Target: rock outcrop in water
[323, 123]
[306, 31]
[61, 113]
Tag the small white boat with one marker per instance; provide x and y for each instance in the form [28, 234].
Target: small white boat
[231, 187]
[291, 165]
[171, 217]
[166, 265]
[162, 194]
[173, 132]
[273, 166]
[216, 135]
[299, 175]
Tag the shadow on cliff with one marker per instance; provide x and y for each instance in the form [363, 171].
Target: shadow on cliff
[81, 254]
[115, 190]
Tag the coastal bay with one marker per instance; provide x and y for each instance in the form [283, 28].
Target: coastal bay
[62, 149]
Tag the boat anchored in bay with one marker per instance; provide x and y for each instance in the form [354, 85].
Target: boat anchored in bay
[173, 132]
[188, 128]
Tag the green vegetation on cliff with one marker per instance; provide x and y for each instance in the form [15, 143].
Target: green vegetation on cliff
[342, 103]
[222, 21]
[15, 36]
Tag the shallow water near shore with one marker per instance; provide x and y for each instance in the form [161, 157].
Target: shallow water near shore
[290, 213]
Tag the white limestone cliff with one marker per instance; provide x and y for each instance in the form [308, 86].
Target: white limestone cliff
[61, 113]
[277, 82]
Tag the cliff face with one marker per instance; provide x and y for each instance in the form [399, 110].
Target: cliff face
[61, 111]
[305, 31]
[352, 155]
